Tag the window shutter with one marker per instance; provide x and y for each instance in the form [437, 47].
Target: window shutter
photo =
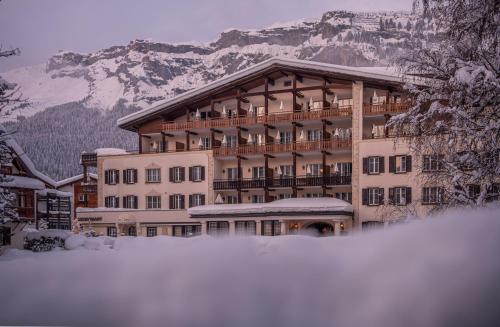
[380, 196]
[202, 173]
[408, 164]
[106, 202]
[364, 193]
[124, 202]
[117, 173]
[365, 165]
[391, 195]
[136, 202]
[202, 199]
[190, 196]
[125, 180]
[183, 174]
[182, 202]
[116, 204]
[392, 164]
[106, 177]
[408, 194]
[170, 201]
[171, 175]
[381, 163]
[190, 174]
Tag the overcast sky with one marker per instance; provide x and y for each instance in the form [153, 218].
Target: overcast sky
[42, 27]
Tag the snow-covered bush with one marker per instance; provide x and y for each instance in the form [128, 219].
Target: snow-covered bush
[45, 240]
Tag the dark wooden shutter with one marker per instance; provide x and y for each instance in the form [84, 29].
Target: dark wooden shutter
[364, 196]
[171, 174]
[365, 165]
[408, 164]
[408, 195]
[106, 177]
[136, 202]
[190, 197]
[124, 202]
[392, 164]
[170, 201]
[125, 180]
[190, 174]
[202, 199]
[116, 204]
[182, 202]
[202, 173]
[380, 196]
[391, 195]
[183, 174]
[117, 173]
[381, 163]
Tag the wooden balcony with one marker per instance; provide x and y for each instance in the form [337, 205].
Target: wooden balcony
[306, 146]
[301, 181]
[386, 108]
[284, 117]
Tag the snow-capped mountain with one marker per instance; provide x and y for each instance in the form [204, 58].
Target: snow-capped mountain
[142, 72]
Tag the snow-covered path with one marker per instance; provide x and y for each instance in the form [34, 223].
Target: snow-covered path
[440, 272]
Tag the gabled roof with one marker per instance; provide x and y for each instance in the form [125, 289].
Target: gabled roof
[73, 179]
[372, 73]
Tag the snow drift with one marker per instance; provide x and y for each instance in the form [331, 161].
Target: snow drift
[437, 272]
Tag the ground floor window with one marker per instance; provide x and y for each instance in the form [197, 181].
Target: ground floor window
[258, 198]
[4, 235]
[186, 230]
[112, 231]
[245, 227]
[346, 196]
[231, 199]
[217, 228]
[271, 227]
[132, 231]
[151, 232]
[370, 225]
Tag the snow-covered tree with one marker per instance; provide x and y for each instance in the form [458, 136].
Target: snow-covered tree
[456, 113]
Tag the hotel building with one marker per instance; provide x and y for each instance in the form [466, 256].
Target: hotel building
[276, 148]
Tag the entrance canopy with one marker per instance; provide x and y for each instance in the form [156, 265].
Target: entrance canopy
[286, 207]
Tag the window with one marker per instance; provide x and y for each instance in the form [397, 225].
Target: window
[378, 131]
[258, 173]
[285, 171]
[245, 227]
[343, 168]
[111, 202]
[111, 177]
[433, 162]
[232, 140]
[317, 105]
[258, 198]
[314, 169]
[260, 110]
[177, 174]
[432, 195]
[196, 200]
[130, 202]
[373, 196]
[111, 231]
[82, 198]
[313, 195]
[285, 196]
[346, 196]
[373, 165]
[286, 137]
[206, 143]
[399, 164]
[271, 227]
[400, 196]
[151, 231]
[153, 202]
[232, 174]
[153, 175]
[176, 201]
[231, 199]
[186, 230]
[132, 231]
[217, 228]
[197, 173]
[130, 176]
[287, 83]
[314, 135]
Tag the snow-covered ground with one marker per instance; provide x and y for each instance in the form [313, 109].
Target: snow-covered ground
[437, 272]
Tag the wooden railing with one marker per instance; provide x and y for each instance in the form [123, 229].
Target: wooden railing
[300, 181]
[283, 117]
[375, 109]
[307, 146]
[92, 188]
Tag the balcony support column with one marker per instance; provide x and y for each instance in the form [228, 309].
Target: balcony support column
[294, 172]
[140, 143]
[266, 96]
[240, 173]
[323, 186]
[188, 139]
[323, 91]
[267, 178]
[164, 142]
[294, 93]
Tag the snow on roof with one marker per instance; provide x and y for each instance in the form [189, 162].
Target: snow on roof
[73, 179]
[109, 151]
[381, 73]
[303, 205]
[47, 191]
[23, 182]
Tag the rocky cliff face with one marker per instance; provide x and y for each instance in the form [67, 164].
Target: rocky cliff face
[142, 72]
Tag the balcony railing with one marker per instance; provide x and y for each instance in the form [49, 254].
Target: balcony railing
[89, 188]
[301, 181]
[89, 159]
[283, 117]
[383, 108]
[305, 146]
